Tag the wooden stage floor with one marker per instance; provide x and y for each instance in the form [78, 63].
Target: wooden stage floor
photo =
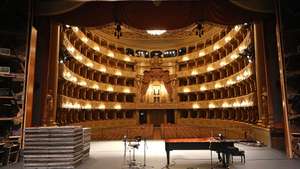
[109, 155]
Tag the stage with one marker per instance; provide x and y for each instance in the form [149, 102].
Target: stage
[109, 155]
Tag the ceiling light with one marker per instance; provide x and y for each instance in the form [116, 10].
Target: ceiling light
[156, 32]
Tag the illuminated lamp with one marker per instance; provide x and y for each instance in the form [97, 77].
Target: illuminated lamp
[196, 106]
[117, 106]
[186, 90]
[84, 39]
[156, 32]
[211, 106]
[110, 89]
[202, 53]
[101, 106]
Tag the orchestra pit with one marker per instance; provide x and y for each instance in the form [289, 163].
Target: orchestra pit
[149, 84]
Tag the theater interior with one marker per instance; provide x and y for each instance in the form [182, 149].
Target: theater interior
[149, 84]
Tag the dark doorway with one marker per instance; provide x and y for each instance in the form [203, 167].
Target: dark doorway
[157, 117]
[143, 117]
[170, 116]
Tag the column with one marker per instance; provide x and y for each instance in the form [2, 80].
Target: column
[49, 117]
[260, 73]
[287, 132]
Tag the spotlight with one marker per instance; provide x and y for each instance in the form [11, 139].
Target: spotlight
[248, 53]
[118, 29]
[199, 30]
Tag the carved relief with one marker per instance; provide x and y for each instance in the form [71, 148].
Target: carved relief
[157, 74]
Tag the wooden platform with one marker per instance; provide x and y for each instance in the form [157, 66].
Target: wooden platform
[55, 147]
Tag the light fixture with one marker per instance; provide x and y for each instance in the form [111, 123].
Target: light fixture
[199, 30]
[87, 106]
[218, 85]
[216, 47]
[230, 82]
[78, 57]
[117, 106]
[110, 88]
[186, 90]
[211, 106]
[225, 105]
[71, 49]
[95, 86]
[156, 32]
[194, 72]
[101, 106]
[96, 47]
[228, 38]
[127, 59]
[118, 73]
[237, 28]
[84, 39]
[210, 68]
[76, 106]
[202, 53]
[223, 63]
[202, 88]
[118, 30]
[185, 58]
[76, 29]
[234, 56]
[126, 90]
[111, 54]
[90, 64]
[196, 106]
[102, 69]
[82, 83]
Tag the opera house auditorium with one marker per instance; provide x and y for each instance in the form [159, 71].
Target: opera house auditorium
[149, 84]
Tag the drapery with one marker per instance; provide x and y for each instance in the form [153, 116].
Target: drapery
[165, 15]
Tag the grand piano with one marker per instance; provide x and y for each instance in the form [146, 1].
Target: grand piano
[209, 143]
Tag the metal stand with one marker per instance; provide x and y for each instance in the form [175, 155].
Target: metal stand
[133, 144]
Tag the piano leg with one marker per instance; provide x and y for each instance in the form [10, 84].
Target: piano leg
[168, 157]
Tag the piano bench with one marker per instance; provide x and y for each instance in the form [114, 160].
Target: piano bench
[240, 153]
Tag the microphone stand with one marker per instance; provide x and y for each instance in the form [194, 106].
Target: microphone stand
[125, 149]
[211, 166]
[145, 152]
